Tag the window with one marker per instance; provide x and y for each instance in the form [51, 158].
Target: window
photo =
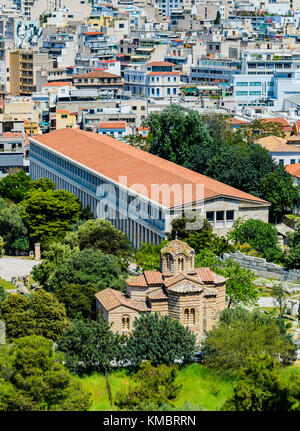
[210, 215]
[192, 316]
[220, 215]
[293, 161]
[168, 90]
[169, 263]
[125, 323]
[186, 316]
[255, 84]
[189, 316]
[254, 93]
[229, 215]
[242, 84]
[180, 264]
[281, 162]
[242, 93]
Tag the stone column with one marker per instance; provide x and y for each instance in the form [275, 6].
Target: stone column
[37, 250]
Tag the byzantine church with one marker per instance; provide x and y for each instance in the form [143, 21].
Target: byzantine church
[194, 296]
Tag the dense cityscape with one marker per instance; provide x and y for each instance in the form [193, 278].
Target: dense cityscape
[150, 207]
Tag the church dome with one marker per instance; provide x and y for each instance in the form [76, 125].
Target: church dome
[176, 246]
[176, 257]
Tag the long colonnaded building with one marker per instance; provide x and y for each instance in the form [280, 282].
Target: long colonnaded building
[140, 193]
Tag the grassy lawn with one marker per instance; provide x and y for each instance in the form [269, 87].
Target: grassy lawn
[199, 386]
[6, 284]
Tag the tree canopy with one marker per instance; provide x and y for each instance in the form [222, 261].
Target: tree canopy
[260, 235]
[48, 215]
[78, 299]
[102, 235]
[240, 334]
[15, 186]
[293, 258]
[33, 378]
[38, 314]
[88, 266]
[12, 227]
[90, 346]
[208, 145]
[154, 386]
[261, 387]
[160, 340]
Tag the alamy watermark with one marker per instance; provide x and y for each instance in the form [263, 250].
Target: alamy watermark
[152, 202]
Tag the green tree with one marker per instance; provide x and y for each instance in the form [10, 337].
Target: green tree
[280, 191]
[260, 235]
[42, 184]
[15, 186]
[3, 294]
[262, 388]
[155, 385]
[102, 235]
[240, 334]
[33, 378]
[78, 299]
[48, 215]
[54, 255]
[201, 238]
[217, 21]
[160, 340]
[90, 346]
[137, 141]
[293, 258]
[239, 283]
[174, 132]
[12, 226]
[39, 314]
[21, 243]
[88, 266]
[147, 256]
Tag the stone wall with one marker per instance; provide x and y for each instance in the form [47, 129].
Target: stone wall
[263, 268]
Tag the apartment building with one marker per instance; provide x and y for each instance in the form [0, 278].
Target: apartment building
[23, 66]
[101, 80]
[157, 80]
[267, 78]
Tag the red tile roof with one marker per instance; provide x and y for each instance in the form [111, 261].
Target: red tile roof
[113, 158]
[235, 121]
[57, 84]
[163, 73]
[280, 120]
[138, 281]
[97, 74]
[153, 277]
[112, 125]
[160, 63]
[294, 169]
[205, 275]
[92, 33]
[111, 298]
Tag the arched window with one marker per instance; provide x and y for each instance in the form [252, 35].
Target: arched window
[180, 264]
[125, 323]
[186, 316]
[169, 263]
[192, 316]
[189, 316]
